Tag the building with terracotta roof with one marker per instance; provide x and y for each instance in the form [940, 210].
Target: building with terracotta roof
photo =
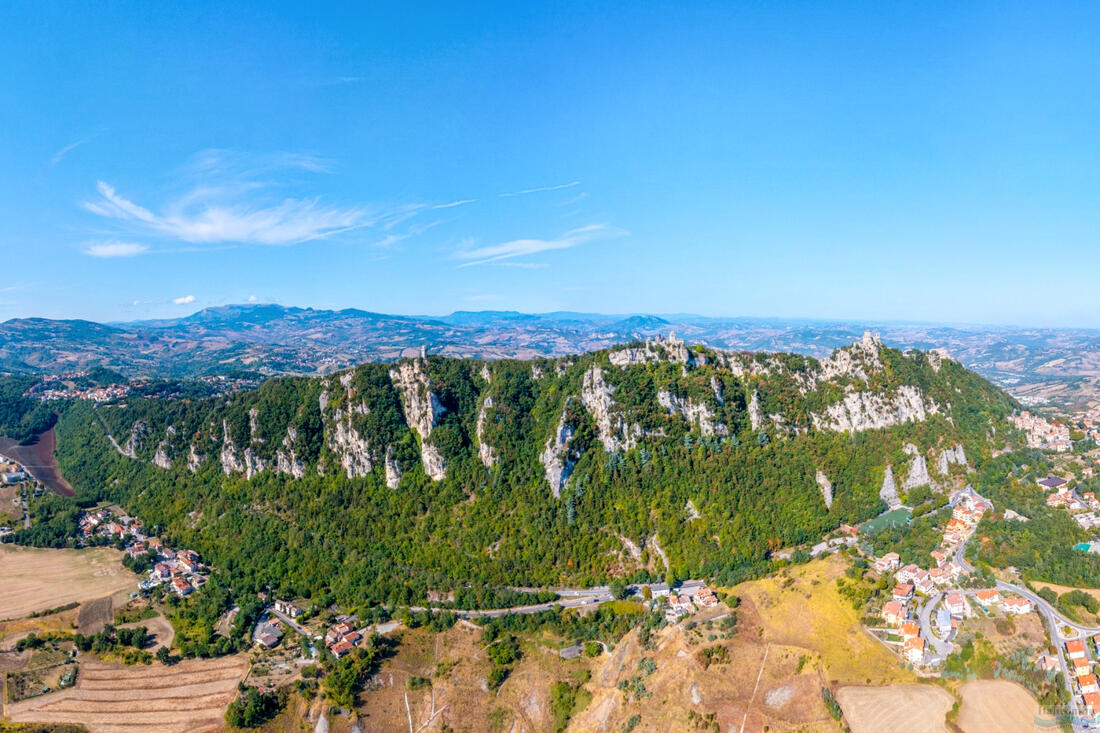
[914, 650]
[893, 613]
[988, 597]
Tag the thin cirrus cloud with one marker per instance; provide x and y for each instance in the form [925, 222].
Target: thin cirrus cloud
[200, 216]
[60, 154]
[114, 249]
[540, 189]
[525, 247]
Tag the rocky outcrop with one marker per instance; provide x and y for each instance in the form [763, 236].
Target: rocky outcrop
[230, 460]
[949, 457]
[194, 459]
[138, 432]
[889, 491]
[350, 448]
[614, 432]
[936, 358]
[696, 413]
[253, 464]
[393, 469]
[756, 415]
[854, 362]
[860, 411]
[161, 459]
[286, 459]
[484, 450]
[826, 487]
[558, 458]
[655, 350]
[422, 409]
[918, 469]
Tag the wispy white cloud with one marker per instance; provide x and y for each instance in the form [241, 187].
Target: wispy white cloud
[253, 299]
[203, 215]
[453, 204]
[184, 300]
[524, 247]
[60, 154]
[541, 189]
[114, 249]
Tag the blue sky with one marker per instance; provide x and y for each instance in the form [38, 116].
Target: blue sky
[931, 161]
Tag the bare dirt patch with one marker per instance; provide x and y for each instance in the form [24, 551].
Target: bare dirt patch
[909, 708]
[189, 696]
[997, 705]
[39, 460]
[159, 629]
[94, 615]
[37, 579]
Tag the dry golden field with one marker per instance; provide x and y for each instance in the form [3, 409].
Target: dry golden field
[997, 705]
[36, 579]
[189, 697]
[896, 708]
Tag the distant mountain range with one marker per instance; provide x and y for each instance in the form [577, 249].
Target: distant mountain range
[1036, 365]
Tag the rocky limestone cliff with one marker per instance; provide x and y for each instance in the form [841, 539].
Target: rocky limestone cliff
[614, 432]
[557, 458]
[286, 460]
[230, 461]
[393, 469]
[860, 411]
[422, 409]
[138, 432]
[194, 459]
[918, 469]
[484, 450]
[697, 413]
[855, 362]
[889, 491]
[161, 459]
[826, 488]
[756, 415]
[652, 351]
[949, 457]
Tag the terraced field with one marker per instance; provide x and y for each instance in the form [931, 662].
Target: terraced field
[189, 696]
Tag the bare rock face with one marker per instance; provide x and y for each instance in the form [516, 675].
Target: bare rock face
[826, 488]
[949, 457]
[422, 409]
[254, 426]
[936, 357]
[860, 411]
[230, 460]
[889, 491]
[697, 413]
[253, 464]
[918, 469]
[393, 469]
[756, 415]
[557, 458]
[352, 450]
[194, 459]
[286, 460]
[484, 450]
[864, 356]
[614, 432]
[655, 350]
[161, 458]
[138, 432]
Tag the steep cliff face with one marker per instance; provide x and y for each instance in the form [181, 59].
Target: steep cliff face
[378, 420]
[484, 450]
[615, 433]
[918, 469]
[695, 412]
[889, 491]
[951, 456]
[422, 409]
[558, 458]
[860, 411]
[826, 488]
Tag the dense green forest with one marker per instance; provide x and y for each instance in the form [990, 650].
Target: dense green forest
[357, 541]
[21, 417]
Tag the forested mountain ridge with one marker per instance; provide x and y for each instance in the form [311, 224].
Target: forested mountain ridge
[389, 480]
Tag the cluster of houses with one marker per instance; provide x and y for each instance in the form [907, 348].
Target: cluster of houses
[682, 604]
[1042, 433]
[1085, 681]
[180, 569]
[342, 637]
[1084, 507]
